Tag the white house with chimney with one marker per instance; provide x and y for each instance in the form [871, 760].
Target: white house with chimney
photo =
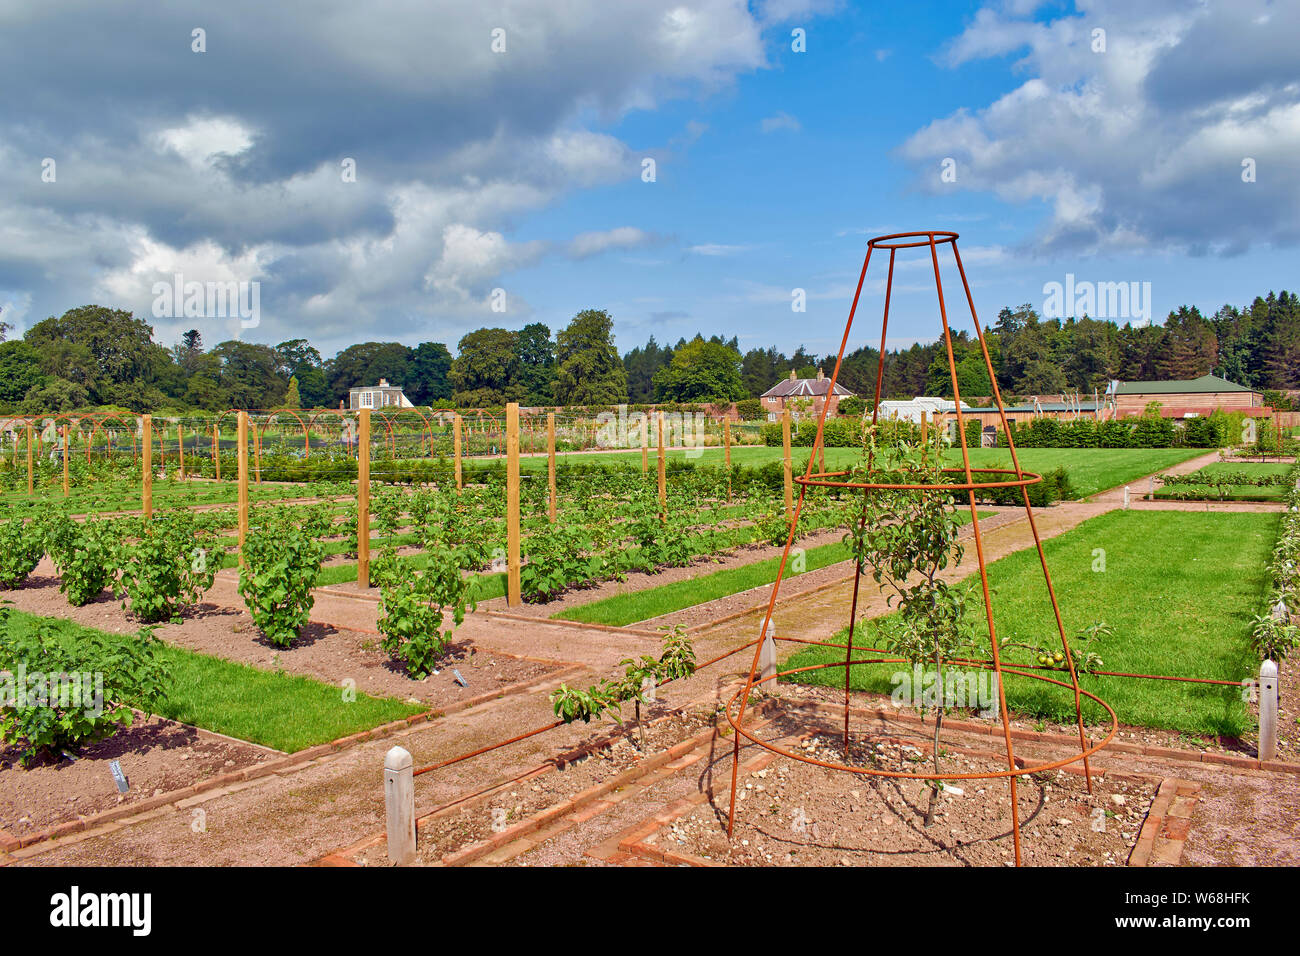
[378, 396]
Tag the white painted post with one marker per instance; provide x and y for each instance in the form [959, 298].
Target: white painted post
[1151, 487]
[767, 655]
[399, 804]
[1126, 497]
[1268, 711]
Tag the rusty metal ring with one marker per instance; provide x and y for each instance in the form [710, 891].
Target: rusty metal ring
[935, 238]
[899, 774]
[1023, 479]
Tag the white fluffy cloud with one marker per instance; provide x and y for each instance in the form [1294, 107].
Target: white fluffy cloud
[229, 165]
[1141, 144]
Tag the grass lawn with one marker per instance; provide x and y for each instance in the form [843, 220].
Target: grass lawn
[624, 609]
[1178, 589]
[1091, 469]
[1236, 492]
[272, 708]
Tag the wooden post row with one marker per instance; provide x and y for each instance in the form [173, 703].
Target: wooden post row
[363, 500]
[789, 476]
[663, 474]
[513, 595]
[550, 463]
[242, 459]
[456, 431]
[726, 442]
[146, 427]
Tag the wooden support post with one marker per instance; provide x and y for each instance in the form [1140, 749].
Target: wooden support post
[216, 452]
[925, 427]
[31, 470]
[1268, 711]
[399, 805]
[785, 458]
[513, 595]
[726, 442]
[242, 440]
[146, 428]
[257, 453]
[550, 462]
[663, 473]
[645, 443]
[65, 461]
[180, 440]
[456, 426]
[363, 499]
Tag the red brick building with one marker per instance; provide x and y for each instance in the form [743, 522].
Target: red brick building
[803, 396]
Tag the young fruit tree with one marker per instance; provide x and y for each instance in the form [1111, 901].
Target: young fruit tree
[676, 662]
[908, 539]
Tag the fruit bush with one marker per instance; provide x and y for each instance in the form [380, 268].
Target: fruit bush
[44, 723]
[413, 608]
[282, 560]
[85, 555]
[166, 568]
[21, 547]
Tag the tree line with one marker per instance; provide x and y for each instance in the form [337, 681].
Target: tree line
[96, 356]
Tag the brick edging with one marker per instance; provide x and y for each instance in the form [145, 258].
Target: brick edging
[1163, 836]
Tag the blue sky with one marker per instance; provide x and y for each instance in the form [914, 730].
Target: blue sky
[521, 170]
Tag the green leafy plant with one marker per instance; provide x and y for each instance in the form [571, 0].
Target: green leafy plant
[413, 607]
[21, 548]
[84, 553]
[79, 686]
[282, 559]
[559, 557]
[166, 568]
[1273, 639]
[675, 662]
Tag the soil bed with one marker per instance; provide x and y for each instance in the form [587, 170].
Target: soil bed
[792, 813]
[157, 755]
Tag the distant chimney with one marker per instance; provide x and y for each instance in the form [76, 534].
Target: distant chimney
[792, 375]
[383, 383]
[820, 376]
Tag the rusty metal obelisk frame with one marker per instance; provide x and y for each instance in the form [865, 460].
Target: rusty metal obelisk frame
[966, 479]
